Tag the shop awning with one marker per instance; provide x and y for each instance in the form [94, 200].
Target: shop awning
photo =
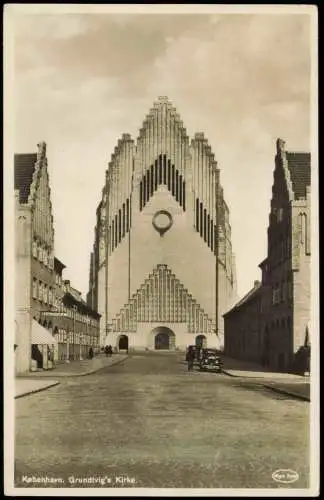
[40, 335]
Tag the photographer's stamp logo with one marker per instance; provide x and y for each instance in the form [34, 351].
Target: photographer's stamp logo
[285, 476]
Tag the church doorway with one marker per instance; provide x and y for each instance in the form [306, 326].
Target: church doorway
[123, 343]
[164, 338]
[201, 341]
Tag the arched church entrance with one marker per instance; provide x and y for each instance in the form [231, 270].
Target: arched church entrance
[123, 343]
[164, 338]
[201, 341]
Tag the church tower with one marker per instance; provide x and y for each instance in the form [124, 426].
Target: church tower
[162, 270]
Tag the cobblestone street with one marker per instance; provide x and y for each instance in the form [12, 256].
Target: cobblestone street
[147, 422]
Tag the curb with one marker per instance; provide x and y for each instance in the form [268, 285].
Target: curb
[230, 374]
[89, 372]
[97, 369]
[40, 389]
[287, 393]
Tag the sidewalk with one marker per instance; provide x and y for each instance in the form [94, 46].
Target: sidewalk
[77, 368]
[239, 368]
[25, 386]
[299, 390]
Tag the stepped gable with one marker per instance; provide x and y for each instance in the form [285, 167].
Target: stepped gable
[174, 279]
[24, 168]
[299, 165]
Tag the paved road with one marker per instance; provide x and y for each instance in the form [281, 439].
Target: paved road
[149, 421]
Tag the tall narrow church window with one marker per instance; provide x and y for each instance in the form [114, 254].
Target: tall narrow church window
[127, 215]
[208, 230]
[197, 215]
[201, 224]
[148, 184]
[177, 186]
[141, 195]
[119, 226]
[184, 195]
[169, 175]
[173, 181]
[116, 230]
[112, 235]
[215, 239]
[156, 179]
[124, 225]
[130, 211]
[205, 225]
[160, 169]
[180, 189]
[144, 190]
[152, 181]
[164, 170]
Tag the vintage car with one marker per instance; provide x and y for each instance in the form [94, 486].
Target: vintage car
[210, 361]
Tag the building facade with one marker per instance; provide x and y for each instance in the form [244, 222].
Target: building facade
[162, 270]
[34, 251]
[285, 291]
[243, 338]
[53, 323]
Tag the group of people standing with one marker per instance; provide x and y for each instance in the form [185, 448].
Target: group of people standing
[108, 350]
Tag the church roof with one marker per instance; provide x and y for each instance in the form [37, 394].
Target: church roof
[299, 165]
[24, 167]
[248, 296]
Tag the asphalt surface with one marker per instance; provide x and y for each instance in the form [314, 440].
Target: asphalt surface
[147, 422]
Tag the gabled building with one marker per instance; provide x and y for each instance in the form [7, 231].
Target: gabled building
[34, 250]
[285, 287]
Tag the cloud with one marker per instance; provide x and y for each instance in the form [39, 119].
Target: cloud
[81, 81]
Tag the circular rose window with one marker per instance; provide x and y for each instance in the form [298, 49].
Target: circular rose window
[162, 221]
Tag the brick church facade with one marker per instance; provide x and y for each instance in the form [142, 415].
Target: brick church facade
[162, 270]
[279, 309]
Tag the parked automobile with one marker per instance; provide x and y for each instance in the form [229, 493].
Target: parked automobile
[210, 361]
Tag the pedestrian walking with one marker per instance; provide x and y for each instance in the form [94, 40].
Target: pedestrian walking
[191, 358]
[107, 350]
[90, 353]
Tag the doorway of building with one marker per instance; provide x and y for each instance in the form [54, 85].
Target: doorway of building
[164, 338]
[201, 341]
[123, 343]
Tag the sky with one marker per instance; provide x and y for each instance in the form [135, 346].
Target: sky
[82, 80]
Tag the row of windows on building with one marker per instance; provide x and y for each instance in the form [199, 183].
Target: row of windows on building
[43, 254]
[162, 172]
[76, 338]
[43, 292]
[120, 225]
